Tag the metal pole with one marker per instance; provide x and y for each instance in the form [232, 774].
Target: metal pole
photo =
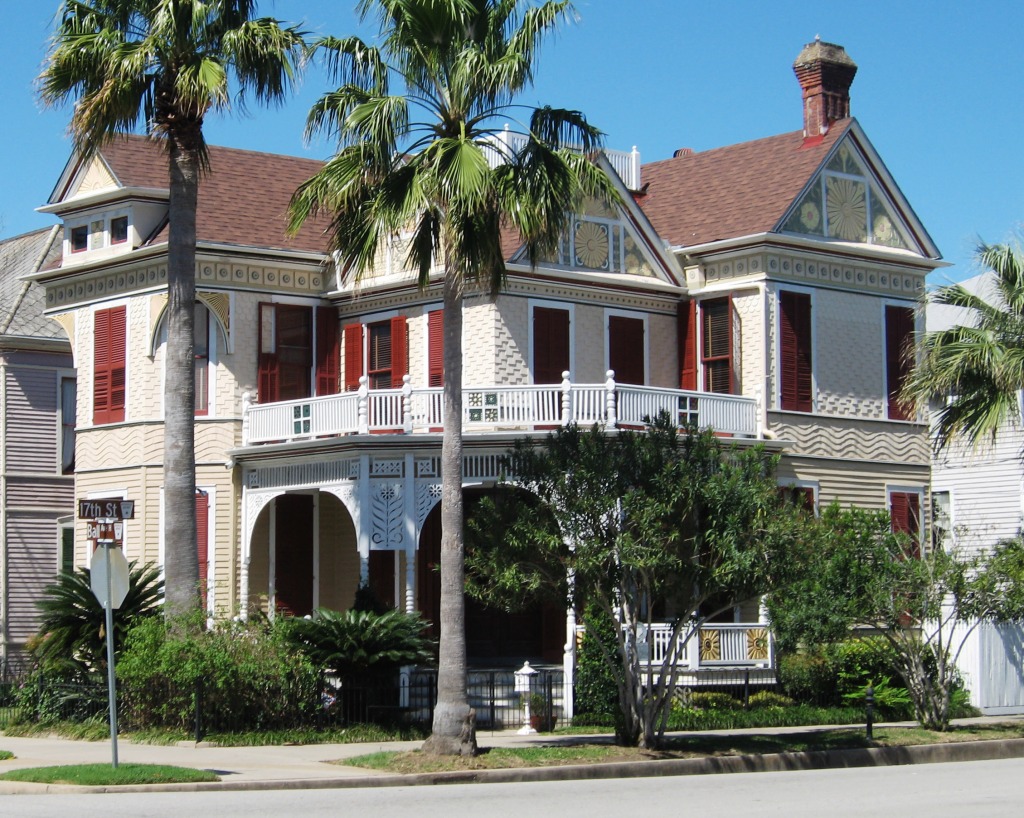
[869, 700]
[111, 688]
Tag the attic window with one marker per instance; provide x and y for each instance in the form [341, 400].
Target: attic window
[79, 238]
[119, 230]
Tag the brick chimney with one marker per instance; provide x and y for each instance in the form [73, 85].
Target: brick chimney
[825, 73]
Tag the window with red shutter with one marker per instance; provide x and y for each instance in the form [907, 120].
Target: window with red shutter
[899, 331]
[352, 340]
[795, 353]
[328, 353]
[626, 349]
[716, 344]
[435, 348]
[550, 344]
[688, 344]
[109, 337]
[905, 515]
[800, 496]
[285, 365]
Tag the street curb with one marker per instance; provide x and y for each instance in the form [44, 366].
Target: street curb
[776, 762]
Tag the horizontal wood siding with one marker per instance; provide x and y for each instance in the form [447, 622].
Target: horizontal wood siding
[54, 494]
[32, 548]
[31, 421]
[985, 486]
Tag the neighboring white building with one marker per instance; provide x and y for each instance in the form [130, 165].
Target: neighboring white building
[978, 501]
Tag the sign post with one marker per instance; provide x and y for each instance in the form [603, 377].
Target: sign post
[109, 579]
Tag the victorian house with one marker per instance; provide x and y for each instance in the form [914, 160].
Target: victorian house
[765, 289]
[37, 442]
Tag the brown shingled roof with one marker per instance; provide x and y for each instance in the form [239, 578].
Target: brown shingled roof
[733, 191]
[243, 199]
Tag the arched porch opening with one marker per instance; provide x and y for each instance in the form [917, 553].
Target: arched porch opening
[303, 555]
[493, 636]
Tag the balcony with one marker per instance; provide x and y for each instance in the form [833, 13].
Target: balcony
[412, 410]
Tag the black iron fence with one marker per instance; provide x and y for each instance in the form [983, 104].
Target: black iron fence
[397, 699]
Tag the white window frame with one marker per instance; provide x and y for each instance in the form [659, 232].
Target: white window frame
[609, 313]
[813, 485]
[566, 306]
[777, 354]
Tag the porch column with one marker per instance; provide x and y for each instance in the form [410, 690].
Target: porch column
[243, 568]
[409, 505]
[569, 653]
[364, 523]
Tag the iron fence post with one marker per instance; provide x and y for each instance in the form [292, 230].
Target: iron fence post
[199, 710]
[869, 707]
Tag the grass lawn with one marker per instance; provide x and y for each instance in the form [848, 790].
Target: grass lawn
[97, 775]
[580, 751]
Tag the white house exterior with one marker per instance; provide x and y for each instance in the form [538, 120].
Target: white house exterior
[978, 501]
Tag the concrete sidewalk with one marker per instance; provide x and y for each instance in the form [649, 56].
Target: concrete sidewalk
[308, 766]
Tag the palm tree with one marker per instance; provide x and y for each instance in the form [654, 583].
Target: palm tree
[977, 367]
[165, 64]
[418, 158]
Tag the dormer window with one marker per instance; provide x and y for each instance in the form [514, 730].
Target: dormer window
[119, 230]
[101, 231]
[79, 238]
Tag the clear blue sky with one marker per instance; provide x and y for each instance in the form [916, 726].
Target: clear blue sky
[940, 93]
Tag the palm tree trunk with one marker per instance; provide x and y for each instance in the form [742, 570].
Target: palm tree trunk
[181, 566]
[453, 731]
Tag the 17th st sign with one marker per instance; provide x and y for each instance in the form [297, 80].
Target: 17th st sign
[112, 510]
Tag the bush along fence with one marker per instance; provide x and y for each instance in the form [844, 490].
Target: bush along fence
[406, 698]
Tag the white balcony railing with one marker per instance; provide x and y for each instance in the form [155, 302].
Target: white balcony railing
[715, 645]
[507, 143]
[495, 408]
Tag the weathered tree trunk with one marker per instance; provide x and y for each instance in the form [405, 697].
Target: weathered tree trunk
[181, 566]
[454, 730]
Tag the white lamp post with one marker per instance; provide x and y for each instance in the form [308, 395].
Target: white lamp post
[522, 687]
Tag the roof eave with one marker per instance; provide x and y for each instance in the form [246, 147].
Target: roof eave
[104, 197]
[869, 251]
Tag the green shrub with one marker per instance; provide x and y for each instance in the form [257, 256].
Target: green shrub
[248, 674]
[768, 698]
[596, 695]
[70, 642]
[690, 719]
[807, 677]
[708, 700]
[357, 643]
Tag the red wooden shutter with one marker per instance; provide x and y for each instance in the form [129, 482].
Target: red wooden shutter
[267, 368]
[352, 338]
[550, 344]
[626, 349]
[716, 349]
[203, 540]
[688, 344]
[328, 354]
[795, 326]
[905, 513]
[899, 328]
[399, 350]
[435, 348]
[109, 339]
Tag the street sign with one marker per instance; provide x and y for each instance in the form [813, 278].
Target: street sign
[106, 509]
[118, 576]
[104, 532]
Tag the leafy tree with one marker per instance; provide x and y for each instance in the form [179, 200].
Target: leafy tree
[651, 527]
[976, 369]
[71, 641]
[858, 573]
[416, 120]
[166, 64]
[359, 642]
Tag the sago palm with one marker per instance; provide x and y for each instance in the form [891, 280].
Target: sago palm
[163, 65]
[416, 120]
[975, 370]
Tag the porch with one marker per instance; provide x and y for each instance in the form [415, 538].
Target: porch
[414, 410]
